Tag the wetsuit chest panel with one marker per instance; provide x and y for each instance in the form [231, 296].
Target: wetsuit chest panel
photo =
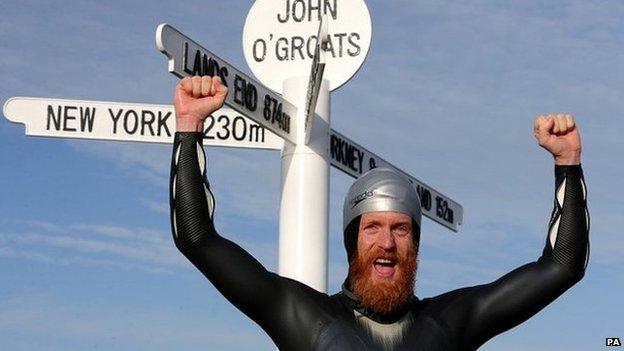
[343, 336]
[424, 334]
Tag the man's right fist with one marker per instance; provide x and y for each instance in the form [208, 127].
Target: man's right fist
[196, 98]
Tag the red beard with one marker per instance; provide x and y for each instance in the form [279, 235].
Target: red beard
[384, 295]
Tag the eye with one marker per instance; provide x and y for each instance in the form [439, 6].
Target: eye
[402, 229]
[370, 228]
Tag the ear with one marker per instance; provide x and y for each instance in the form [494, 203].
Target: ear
[416, 232]
[351, 238]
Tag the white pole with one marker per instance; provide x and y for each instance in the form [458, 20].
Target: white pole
[304, 207]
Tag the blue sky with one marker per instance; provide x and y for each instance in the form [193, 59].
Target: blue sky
[448, 93]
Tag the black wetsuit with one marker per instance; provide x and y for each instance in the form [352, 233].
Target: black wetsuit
[298, 317]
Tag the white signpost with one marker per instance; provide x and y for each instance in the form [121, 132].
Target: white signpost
[187, 58]
[280, 37]
[305, 168]
[118, 121]
[354, 160]
[281, 46]
[316, 77]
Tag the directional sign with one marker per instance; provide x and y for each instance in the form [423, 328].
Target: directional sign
[247, 96]
[316, 77]
[156, 123]
[280, 37]
[355, 160]
[131, 122]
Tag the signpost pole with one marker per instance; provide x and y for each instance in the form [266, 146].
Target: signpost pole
[304, 205]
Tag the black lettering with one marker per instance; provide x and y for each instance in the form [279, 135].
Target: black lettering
[311, 48]
[334, 148]
[266, 112]
[333, 10]
[67, 117]
[185, 59]
[297, 45]
[450, 215]
[259, 58]
[224, 127]
[354, 44]
[274, 109]
[131, 113]
[251, 97]
[223, 73]
[212, 68]
[340, 37]
[239, 90]
[283, 55]
[147, 118]
[443, 211]
[287, 13]
[371, 163]
[256, 133]
[87, 115]
[197, 64]
[56, 119]
[235, 124]
[211, 119]
[206, 69]
[162, 123]
[360, 157]
[425, 197]
[316, 8]
[301, 16]
[115, 118]
[351, 155]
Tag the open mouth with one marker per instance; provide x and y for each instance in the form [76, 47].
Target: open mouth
[385, 267]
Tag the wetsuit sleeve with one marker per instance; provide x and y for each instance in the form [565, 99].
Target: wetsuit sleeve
[512, 299]
[236, 274]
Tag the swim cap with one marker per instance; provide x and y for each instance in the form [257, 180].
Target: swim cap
[381, 189]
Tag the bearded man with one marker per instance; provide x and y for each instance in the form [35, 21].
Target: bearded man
[376, 309]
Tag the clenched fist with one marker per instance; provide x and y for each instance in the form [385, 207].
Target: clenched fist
[558, 134]
[195, 99]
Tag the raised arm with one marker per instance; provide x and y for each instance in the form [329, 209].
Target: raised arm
[517, 296]
[236, 274]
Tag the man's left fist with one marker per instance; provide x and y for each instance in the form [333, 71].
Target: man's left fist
[558, 134]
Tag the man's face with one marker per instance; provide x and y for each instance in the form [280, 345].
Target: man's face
[384, 268]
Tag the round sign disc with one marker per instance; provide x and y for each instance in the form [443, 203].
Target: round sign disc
[279, 39]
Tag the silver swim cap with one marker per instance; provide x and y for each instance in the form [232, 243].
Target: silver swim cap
[381, 189]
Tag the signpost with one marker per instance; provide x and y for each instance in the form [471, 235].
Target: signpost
[280, 45]
[279, 39]
[316, 77]
[187, 58]
[120, 121]
[355, 160]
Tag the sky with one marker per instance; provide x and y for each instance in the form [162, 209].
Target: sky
[448, 93]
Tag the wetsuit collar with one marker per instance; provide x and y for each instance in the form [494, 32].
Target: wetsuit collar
[385, 318]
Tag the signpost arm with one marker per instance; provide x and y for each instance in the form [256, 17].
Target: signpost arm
[316, 76]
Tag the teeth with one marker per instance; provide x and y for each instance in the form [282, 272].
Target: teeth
[383, 260]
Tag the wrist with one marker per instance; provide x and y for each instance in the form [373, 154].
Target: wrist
[568, 159]
[189, 125]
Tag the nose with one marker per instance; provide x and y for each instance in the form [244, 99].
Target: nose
[385, 240]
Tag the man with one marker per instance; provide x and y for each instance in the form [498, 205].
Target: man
[377, 309]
